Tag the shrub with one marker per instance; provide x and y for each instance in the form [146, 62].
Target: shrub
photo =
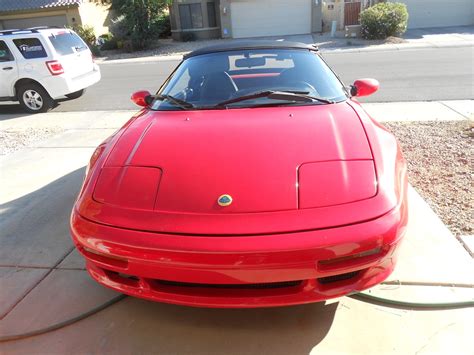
[188, 37]
[162, 26]
[109, 44]
[118, 27]
[127, 46]
[383, 20]
[106, 37]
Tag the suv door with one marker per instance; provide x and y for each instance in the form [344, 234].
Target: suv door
[8, 71]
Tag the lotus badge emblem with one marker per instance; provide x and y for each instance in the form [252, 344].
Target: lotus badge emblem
[224, 200]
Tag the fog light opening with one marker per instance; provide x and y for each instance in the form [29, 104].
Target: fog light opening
[330, 262]
[105, 258]
[335, 278]
[123, 279]
[130, 277]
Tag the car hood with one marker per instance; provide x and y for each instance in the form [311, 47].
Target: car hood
[266, 159]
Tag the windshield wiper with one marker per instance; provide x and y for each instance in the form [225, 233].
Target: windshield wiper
[276, 95]
[175, 101]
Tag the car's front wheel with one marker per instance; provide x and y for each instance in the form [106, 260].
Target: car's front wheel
[34, 99]
[76, 95]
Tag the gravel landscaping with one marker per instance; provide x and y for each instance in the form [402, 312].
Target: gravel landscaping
[15, 139]
[163, 47]
[439, 158]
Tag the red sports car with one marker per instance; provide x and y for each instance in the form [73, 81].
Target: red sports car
[250, 179]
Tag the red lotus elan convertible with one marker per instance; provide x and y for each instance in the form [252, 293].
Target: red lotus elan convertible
[251, 179]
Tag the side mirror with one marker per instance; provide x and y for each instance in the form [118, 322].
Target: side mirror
[364, 87]
[140, 98]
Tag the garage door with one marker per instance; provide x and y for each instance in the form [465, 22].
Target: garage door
[439, 13]
[59, 21]
[255, 18]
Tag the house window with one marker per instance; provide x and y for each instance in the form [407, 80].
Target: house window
[190, 16]
[211, 14]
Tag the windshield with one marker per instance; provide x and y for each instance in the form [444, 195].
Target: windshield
[205, 81]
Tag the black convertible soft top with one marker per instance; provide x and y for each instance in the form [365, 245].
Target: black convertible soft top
[255, 44]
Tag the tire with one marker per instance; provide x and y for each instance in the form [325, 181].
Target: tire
[34, 98]
[76, 95]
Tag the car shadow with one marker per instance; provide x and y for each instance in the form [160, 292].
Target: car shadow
[177, 329]
[10, 111]
[35, 229]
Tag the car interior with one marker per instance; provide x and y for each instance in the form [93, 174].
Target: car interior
[207, 80]
[224, 77]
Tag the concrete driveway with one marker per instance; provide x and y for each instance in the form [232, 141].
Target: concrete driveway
[42, 279]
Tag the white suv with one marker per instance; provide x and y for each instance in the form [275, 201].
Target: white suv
[39, 65]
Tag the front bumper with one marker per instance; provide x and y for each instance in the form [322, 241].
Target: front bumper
[248, 271]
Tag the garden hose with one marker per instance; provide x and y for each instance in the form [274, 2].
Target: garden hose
[63, 324]
[364, 297]
[358, 296]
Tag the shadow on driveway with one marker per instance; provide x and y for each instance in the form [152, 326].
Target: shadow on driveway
[14, 110]
[10, 111]
[35, 231]
[138, 326]
[35, 227]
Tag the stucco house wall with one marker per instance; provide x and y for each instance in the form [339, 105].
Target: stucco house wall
[95, 15]
[333, 10]
[72, 15]
[439, 13]
[85, 13]
[223, 28]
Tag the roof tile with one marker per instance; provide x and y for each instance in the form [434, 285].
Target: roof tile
[16, 5]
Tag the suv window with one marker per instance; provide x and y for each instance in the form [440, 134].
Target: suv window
[30, 48]
[67, 43]
[5, 54]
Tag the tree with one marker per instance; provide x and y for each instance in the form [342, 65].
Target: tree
[141, 18]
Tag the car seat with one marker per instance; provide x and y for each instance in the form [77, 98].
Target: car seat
[217, 87]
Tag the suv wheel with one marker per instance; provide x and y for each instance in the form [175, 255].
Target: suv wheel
[34, 99]
[76, 95]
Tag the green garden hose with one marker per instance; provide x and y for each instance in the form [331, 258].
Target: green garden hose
[63, 324]
[364, 297]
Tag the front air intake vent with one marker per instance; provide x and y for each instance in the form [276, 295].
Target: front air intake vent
[335, 278]
[268, 285]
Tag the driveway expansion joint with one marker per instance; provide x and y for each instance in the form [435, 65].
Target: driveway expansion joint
[452, 109]
[11, 308]
[41, 267]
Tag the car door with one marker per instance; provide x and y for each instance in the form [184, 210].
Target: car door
[8, 70]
